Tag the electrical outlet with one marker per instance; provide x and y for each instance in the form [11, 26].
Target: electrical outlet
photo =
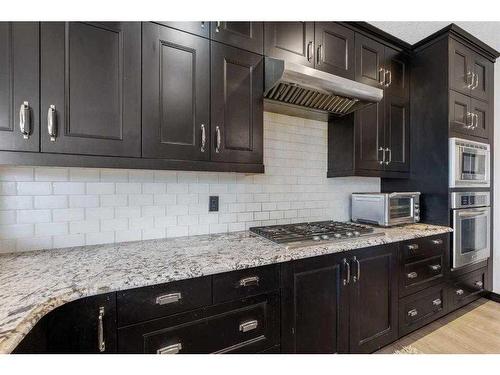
[213, 203]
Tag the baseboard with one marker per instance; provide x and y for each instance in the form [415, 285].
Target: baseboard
[492, 296]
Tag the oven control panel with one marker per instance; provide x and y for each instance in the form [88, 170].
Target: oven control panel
[470, 199]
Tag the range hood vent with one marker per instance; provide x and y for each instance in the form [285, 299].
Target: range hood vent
[309, 88]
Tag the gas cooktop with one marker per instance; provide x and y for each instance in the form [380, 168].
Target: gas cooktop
[305, 234]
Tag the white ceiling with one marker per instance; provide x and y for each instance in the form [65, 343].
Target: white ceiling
[412, 32]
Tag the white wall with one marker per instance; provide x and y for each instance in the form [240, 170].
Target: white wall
[61, 207]
[488, 32]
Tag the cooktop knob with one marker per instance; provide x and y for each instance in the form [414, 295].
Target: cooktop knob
[356, 233]
[316, 238]
[337, 235]
[349, 234]
[325, 237]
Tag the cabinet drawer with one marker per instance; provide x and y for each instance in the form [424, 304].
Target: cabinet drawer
[234, 327]
[156, 301]
[420, 274]
[467, 288]
[245, 283]
[421, 308]
[421, 248]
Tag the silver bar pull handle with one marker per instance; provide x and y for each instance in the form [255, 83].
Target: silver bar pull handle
[25, 120]
[203, 138]
[249, 281]
[477, 120]
[469, 120]
[413, 312]
[437, 242]
[437, 302]
[202, 24]
[412, 275]
[383, 155]
[171, 349]
[347, 279]
[309, 51]
[101, 344]
[389, 81]
[387, 149]
[249, 325]
[459, 292]
[217, 26]
[217, 139]
[357, 277]
[52, 123]
[471, 76]
[476, 81]
[381, 76]
[168, 298]
[435, 267]
[320, 54]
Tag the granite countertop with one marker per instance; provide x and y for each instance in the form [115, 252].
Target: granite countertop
[34, 283]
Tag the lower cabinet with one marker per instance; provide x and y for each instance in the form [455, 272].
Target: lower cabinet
[339, 303]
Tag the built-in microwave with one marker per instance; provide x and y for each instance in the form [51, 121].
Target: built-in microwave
[469, 163]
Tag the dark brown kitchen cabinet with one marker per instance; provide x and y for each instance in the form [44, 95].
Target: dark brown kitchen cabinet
[175, 94]
[19, 86]
[397, 134]
[334, 49]
[315, 305]
[373, 305]
[245, 35]
[91, 88]
[470, 73]
[370, 137]
[290, 41]
[236, 105]
[201, 28]
[370, 60]
[469, 116]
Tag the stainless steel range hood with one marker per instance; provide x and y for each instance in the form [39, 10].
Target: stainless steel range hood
[303, 88]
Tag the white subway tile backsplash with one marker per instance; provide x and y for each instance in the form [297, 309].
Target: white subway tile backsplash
[43, 207]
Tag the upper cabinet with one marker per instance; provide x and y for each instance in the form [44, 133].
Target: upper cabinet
[19, 86]
[291, 41]
[237, 105]
[175, 94]
[201, 28]
[91, 88]
[370, 61]
[245, 35]
[326, 46]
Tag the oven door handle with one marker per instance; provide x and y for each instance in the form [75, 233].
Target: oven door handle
[472, 213]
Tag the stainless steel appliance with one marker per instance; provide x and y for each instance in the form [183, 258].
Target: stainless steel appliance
[471, 227]
[469, 163]
[305, 234]
[298, 86]
[386, 209]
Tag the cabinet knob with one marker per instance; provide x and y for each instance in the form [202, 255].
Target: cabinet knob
[437, 302]
[435, 267]
[412, 275]
[171, 349]
[479, 284]
[459, 292]
[25, 120]
[413, 312]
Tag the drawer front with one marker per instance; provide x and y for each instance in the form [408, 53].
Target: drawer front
[421, 308]
[245, 283]
[421, 274]
[249, 328]
[156, 301]
[467, 288]
[421, 248]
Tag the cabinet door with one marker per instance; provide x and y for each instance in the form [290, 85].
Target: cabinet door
[334, 49]
[369, 61]
[201, 28]
[397, 134]
[246, 35]
[314, 306]
[483, 85]
[369, 131]
[19, 84]
[459, 113]
[91, 74]
[460, 76]
[175, 94]
[373, 309]
[237, 105]
[76, 327]
[291, 41]
[398, 78]
[484, 119]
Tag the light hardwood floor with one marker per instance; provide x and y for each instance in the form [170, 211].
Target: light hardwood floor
[473, 329]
